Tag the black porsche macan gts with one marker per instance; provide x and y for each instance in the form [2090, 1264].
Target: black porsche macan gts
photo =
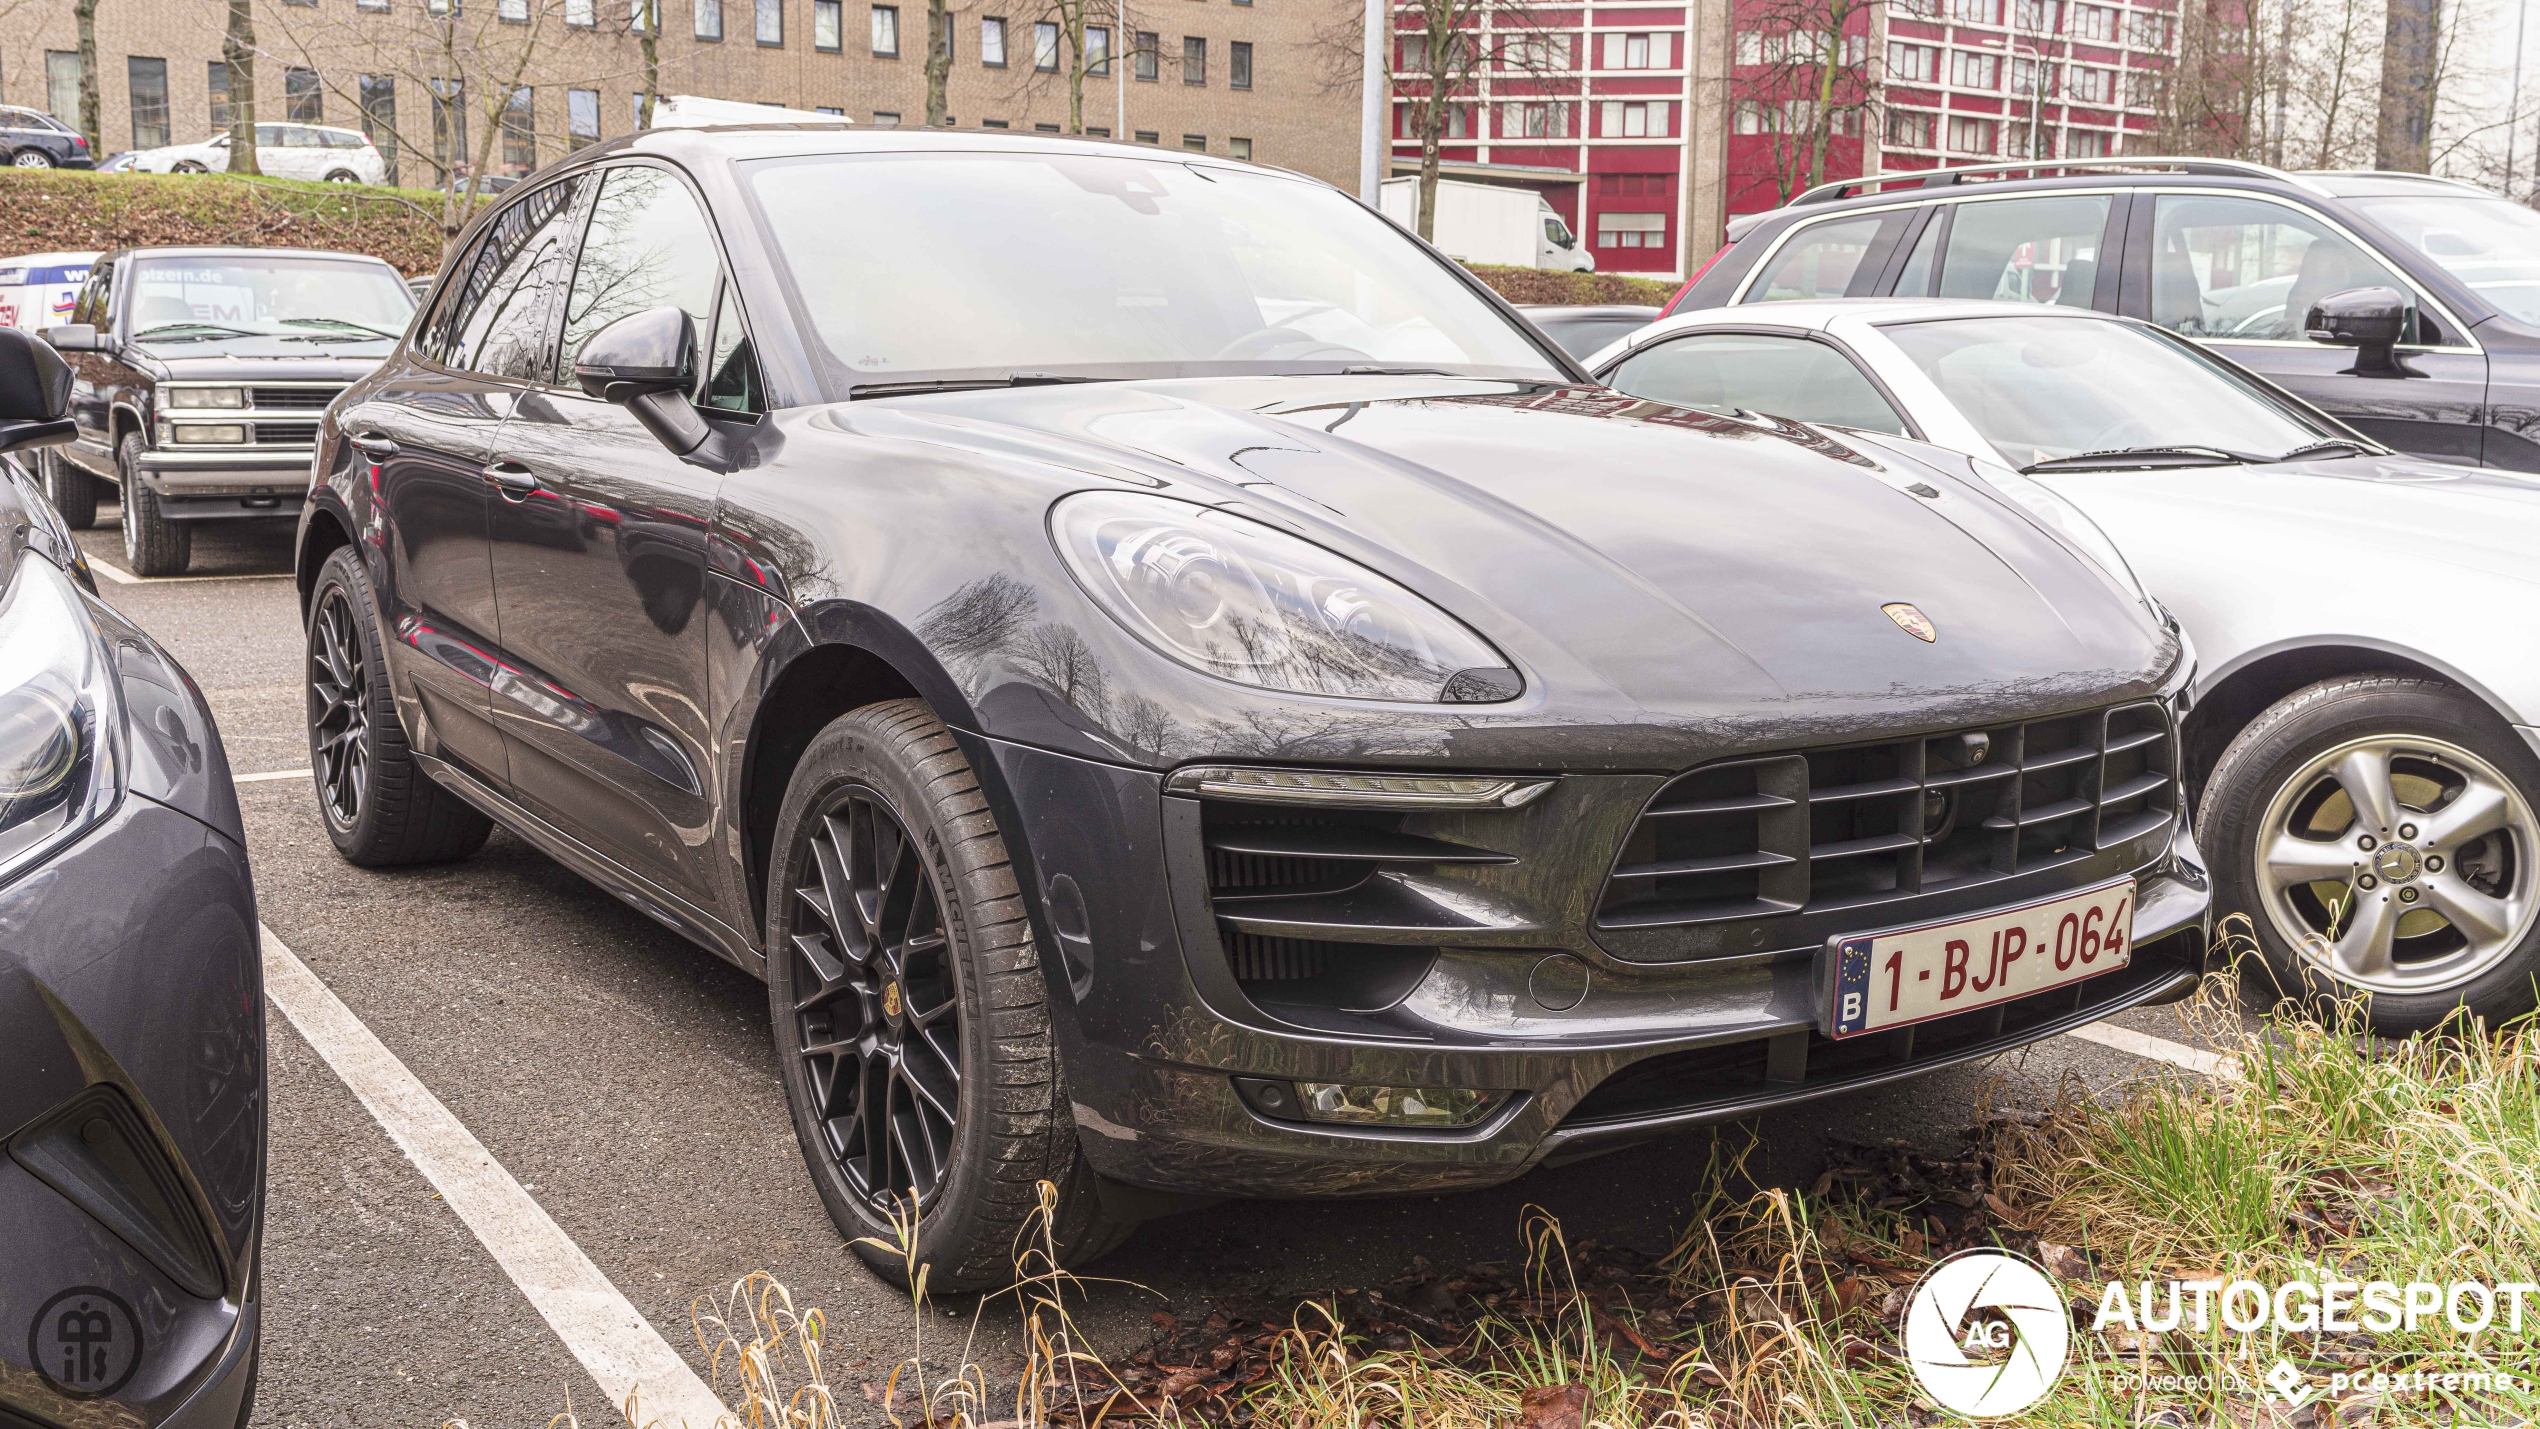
[1182, 693]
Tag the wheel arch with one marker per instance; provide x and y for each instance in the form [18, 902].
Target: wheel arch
[2244, 688]
[125, 418]
[320, 535]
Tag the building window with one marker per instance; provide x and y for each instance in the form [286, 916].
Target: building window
[1631, 230]
[147, 81]
[992, 42]
[1147, 64]
[510, 12]
[1240, 148]
[216, 83]
[1973, 69]
[302, 101]
[1918, 64]
[1907, 129]
[581, 118]
[1634, 185]
[709, 19]
[1096, 131]
[828, 25]
[583, 14]
[1045, 128]
[1045, 47]
[1149, 136]
[2087, 144]
[1534, 119]
[2024, 76]
[1637, 51]
[370, 4]
[520, 132]
[2093, 22]
[994, 124]
[886, 119]
[1196, 143]
[1970, 136]
[1633, 119]
[2145, 88]
[2090, 86]
[1098, 51]
[1194, 61]
[2147, 31]
[886, 30]
[1976, 12]
[770, 26]
[1536, 53]
[379, 120]
[2035, 17]
[61, 85]
[1239, 65]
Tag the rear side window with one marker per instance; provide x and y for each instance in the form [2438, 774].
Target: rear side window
[1793, 377]
[1820, 261]
[2026, 250]
[497, 324]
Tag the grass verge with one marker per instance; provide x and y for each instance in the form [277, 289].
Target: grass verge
[72, 209]
[1546, 285]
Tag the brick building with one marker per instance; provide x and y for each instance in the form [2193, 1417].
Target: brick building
[1232, 77]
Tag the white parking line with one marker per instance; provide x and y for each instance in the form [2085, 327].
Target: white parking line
[620, 1349]
[119, 576]
[269, 777]
[2159, 1049]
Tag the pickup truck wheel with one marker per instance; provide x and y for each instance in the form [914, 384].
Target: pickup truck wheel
[2379, 832]
[152, 544]
[72, 491]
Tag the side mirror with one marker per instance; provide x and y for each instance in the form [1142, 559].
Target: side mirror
[647, 363]
[2369, 320]
[35, 394]
[73, 337]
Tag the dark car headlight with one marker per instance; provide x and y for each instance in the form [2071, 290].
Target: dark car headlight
[1248, 602]
[60, 720]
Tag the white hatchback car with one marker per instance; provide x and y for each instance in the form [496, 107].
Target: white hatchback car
[2366, 725]
[284, 151]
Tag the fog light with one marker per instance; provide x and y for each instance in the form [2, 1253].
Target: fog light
[1395, 1106]
[231, 397]
[1332, 789]
[205, 434]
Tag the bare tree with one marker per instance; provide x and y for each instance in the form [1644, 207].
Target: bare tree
[238, 52]
[1073, 58]
[643, 20]
[938, 63]
[2411, 44]
[1447, 53]
[92, 120]
[1803, 77]
[2215, 100]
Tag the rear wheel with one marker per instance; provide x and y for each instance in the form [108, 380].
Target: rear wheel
[2380, 832]
[187, 166]
[31, 159]
[152, 544]
[342, 176]
[910, 1011]
[380, 808]
[72, 491]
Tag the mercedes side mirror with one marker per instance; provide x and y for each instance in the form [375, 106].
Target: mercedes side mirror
[2369, 320]
[73, 337]
[35, 393]
[647, 363]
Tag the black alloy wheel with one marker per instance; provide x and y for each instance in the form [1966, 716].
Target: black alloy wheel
[339, 709]
[877, 1007]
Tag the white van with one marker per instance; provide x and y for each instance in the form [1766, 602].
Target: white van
[37, 290]
[1485, 223]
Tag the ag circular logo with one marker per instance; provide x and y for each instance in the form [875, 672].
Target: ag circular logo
[1987, 1333]
[85, 1342]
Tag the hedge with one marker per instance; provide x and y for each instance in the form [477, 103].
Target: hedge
[1548, 285]
[70, 209]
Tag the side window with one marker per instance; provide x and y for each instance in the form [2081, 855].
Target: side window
[1792, 377]
[731, 372]
[649, 246]
[2026, 250]
[2237, 267]
[95, 305]
[501, 327]
[1819, 261]
[268, 136]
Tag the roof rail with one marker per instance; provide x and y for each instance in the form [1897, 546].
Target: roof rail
[2395, 174]
[1943, 178]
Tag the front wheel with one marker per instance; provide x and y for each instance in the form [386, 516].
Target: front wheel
[153, 545]
[910, 1012]
[343, 176]
[187, 166]
[2380, 832]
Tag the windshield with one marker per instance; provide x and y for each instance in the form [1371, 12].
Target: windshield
[2039, 388]
[295, 297]
[2489, 244]
[916, 266]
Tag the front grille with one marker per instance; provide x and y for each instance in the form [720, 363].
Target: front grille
[1841, 827]
[291, 399]
[286, 434]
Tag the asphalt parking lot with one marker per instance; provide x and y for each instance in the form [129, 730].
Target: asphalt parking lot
[625, 1081]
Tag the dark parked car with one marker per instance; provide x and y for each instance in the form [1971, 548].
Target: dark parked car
[2232, 254]
[132, 1058]
[201, 374]
[33, 139]
[1583, 330]
[1208, 702]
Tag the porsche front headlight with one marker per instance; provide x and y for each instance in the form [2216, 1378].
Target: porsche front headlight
[60, 721]
[1250, 603]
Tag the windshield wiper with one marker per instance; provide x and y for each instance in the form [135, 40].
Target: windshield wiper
[2332, 447]
[2146, 456]
[205, 329]
[960, 384]
[338, 323]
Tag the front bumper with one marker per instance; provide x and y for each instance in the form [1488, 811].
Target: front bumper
[1159, 1027]
[211, 485]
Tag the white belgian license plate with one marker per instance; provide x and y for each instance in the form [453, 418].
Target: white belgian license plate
[1906, 975]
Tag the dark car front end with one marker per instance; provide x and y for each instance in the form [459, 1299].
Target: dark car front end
[248, 457]
[132, 1072]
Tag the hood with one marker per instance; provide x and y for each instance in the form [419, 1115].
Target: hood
[275, 358]
[1691, 562]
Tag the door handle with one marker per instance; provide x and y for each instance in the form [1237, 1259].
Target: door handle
[513, 479]
[372, 444]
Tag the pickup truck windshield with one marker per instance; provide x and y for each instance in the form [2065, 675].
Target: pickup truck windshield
[293, 297]
[918, 266]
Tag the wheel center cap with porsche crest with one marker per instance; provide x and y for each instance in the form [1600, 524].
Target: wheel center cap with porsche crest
[891, 1000]
[1913, 622]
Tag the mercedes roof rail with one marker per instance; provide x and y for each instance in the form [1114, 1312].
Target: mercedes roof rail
[1943, 178]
